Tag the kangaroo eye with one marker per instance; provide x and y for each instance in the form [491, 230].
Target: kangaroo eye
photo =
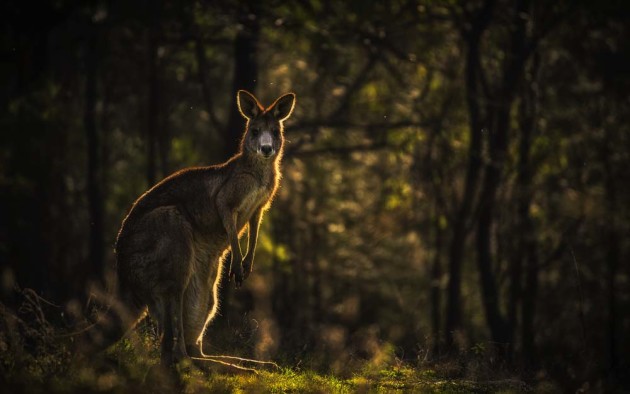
[255, 132]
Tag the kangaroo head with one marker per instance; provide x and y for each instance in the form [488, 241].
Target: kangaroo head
[264, 131]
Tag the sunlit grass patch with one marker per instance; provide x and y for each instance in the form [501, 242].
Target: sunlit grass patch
[285, 381]
[404, 378]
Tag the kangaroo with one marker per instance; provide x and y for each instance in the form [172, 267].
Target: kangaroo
[170, 248]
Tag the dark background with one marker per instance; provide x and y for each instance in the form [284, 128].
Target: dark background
[455, 184]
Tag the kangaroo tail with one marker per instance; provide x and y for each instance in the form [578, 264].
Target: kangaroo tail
[112, 317]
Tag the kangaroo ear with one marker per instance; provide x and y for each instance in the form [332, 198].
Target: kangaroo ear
[283, 107]
[248, 106]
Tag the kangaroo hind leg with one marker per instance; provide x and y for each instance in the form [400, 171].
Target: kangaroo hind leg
[173, 344]
[171, 264]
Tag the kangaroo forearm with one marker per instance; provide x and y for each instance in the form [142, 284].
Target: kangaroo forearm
[237, 255]
[229, 223]
[254, 225]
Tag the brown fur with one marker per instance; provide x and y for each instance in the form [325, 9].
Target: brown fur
[171, 245]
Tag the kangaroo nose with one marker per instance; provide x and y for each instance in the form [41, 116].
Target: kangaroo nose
[266, 150]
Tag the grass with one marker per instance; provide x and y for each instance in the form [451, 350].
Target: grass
[133, 367]
[292, 381]
[35, 359]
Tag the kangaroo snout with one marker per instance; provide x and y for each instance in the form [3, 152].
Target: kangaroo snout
[267, 150]
[266, 144]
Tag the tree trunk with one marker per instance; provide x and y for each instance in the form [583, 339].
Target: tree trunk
[206, 90]
[461, 225]
[487, 203]
[164, 140]
[153, 98]
[490, 296]
[497, 147]
[527, 245]
[528, 313]
[612, 252]
[436, 278]
[245, 74]
[516, 287]
[94, 191]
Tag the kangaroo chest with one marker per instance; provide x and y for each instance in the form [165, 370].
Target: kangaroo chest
[253, 197]
[252, 200]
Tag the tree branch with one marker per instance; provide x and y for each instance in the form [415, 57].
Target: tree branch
[337, 124]
[339, 150]
[356, 85]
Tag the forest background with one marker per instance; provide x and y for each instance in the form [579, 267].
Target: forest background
[453, 192]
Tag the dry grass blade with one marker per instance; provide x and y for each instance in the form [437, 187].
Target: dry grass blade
[247, 360]
[239, 367]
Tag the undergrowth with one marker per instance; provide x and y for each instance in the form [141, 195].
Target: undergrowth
[37, 356]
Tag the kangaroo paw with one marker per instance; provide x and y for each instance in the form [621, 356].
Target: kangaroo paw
[237, 272]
